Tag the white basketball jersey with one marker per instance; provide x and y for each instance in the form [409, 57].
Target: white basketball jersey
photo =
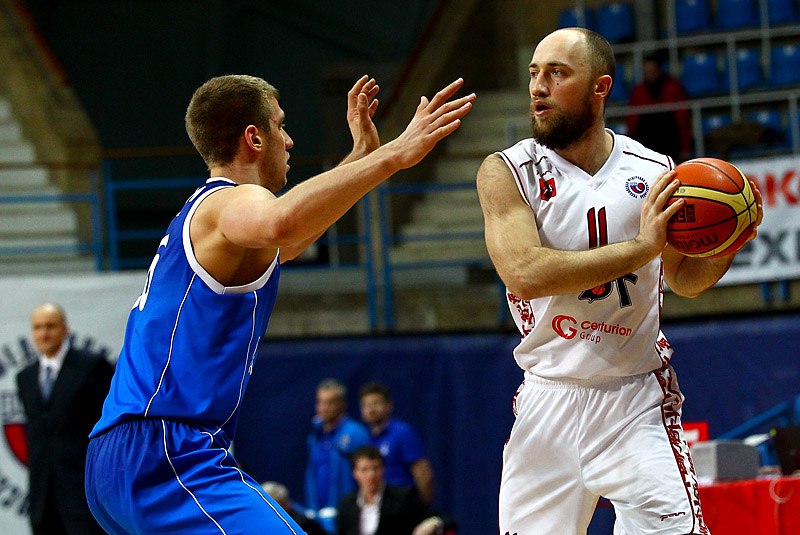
[614, 329]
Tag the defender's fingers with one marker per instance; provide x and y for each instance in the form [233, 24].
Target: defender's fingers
[448, 91]
[452, 116]
[357, 88]
[452, 105]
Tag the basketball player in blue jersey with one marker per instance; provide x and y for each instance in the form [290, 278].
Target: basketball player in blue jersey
[581, 246]
[158, 459]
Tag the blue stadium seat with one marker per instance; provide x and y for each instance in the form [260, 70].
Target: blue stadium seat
[691, 16]
[620, 91]
[710, 122]
[570, 18]
[715, 120]
[748, 68]
[772, 119]
[785, 64]
[782, 11]
[734, 14]
[699, 74]
[615, 22]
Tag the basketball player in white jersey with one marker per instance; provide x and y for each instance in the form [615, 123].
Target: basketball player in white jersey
[575, 223]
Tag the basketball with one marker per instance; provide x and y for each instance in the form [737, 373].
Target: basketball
[719, 210]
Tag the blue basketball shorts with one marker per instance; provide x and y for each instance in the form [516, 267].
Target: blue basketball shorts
[161, 477]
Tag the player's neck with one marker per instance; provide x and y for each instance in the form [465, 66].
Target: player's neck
[591, 151]
[239, 173]
[378, 427]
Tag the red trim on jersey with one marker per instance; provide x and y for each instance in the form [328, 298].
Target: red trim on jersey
[668, 165]
[517, 176]
[670, 417]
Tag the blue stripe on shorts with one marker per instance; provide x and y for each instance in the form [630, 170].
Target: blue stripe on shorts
[162, 476]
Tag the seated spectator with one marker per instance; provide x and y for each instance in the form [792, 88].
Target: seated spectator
[280, 494]
[404, 459]
[667, 132]
[334, 437]
[378, 508]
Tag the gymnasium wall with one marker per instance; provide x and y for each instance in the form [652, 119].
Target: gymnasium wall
[457, 389]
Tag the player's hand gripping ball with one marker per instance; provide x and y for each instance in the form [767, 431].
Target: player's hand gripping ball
[719, 212]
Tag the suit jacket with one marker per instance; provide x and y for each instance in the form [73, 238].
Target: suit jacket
[58, 432]
[401, 511]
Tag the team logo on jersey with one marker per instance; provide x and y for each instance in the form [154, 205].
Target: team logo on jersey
[568, 328]
[637, 187]
[548, 188]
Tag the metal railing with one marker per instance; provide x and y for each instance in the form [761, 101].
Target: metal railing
[91, 197]
[333, 241]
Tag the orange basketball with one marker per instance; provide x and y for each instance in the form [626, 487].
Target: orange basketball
[720, 209]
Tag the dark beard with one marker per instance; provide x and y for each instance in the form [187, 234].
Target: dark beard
[562, 130]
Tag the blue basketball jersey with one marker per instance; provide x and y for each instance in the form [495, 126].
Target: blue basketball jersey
[190, 342]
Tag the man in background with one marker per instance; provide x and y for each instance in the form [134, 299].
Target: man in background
[379, 508]
[62, 395]
[404, 459]
[668, 132]
[334, 437]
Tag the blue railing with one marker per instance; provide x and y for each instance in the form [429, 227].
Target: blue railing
[781, 415]
[91, 197]
[332, 240]
[389, 239]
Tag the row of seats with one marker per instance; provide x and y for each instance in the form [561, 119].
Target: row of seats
[777, 128]
[698, 15]
[707, 73]
[616, 21]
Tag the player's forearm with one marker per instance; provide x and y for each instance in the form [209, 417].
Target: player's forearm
[540, 271]
[312, 206]
[689, 277]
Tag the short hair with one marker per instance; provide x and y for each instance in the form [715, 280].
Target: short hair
[599, 53]
[376, 387]
[366, 452]
[278, 492]
[334, 385]
[221, 109]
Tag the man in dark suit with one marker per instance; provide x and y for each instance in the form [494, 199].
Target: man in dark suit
[62, 395]
[381, 509]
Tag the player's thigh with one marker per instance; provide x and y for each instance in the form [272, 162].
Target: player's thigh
[654, 487]
[541, 489]
[168, 478]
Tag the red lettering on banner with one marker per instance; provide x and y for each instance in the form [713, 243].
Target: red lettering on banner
[772, 189]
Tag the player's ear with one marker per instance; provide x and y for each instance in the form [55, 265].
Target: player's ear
[602, 86]
[252, 137]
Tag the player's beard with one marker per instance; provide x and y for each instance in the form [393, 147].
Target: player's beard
[559, 130]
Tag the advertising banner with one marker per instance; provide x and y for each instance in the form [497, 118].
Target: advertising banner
[775, 253]
[96, 305]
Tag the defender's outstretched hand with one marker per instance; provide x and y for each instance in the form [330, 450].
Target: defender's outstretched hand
[433, 121]
[361, 106]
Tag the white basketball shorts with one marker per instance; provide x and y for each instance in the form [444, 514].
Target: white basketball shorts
[620, 438]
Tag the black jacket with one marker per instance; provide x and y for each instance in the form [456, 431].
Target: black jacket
[401, 511]
[58, 432]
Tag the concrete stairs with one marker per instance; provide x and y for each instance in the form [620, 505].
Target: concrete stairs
[457, 211]
[38, 236]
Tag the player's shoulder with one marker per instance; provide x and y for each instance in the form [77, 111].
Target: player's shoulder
[523, 150]
[639, 154]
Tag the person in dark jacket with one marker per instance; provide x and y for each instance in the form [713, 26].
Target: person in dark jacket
[380, 509]
[62, 395]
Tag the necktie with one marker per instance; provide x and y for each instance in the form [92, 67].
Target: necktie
[47, 384]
